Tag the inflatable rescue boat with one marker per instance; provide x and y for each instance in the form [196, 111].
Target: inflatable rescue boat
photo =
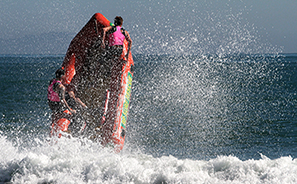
[104, 86]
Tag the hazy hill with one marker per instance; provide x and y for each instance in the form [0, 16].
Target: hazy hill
[50, 43]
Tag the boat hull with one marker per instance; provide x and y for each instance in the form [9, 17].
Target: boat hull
[101, 82]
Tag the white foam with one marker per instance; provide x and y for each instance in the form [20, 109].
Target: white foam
[81, 161]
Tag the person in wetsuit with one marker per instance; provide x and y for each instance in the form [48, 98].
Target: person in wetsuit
[56, 97]
[116, 38]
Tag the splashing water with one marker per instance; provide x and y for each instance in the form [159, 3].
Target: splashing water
[186, 31]
[80, 161]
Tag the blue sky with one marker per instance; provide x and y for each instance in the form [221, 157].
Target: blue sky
[166, 26]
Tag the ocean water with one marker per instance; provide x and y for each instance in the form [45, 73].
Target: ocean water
[192, 119]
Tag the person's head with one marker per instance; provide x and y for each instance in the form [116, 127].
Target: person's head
[118, 21]
[59, 73]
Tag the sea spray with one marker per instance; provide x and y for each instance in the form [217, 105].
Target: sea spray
[195, 119]
[81, 161]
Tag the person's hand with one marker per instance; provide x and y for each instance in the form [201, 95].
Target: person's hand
[73, 111]
[102, 45]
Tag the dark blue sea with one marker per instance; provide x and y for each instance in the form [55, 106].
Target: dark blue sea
[192, 119]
